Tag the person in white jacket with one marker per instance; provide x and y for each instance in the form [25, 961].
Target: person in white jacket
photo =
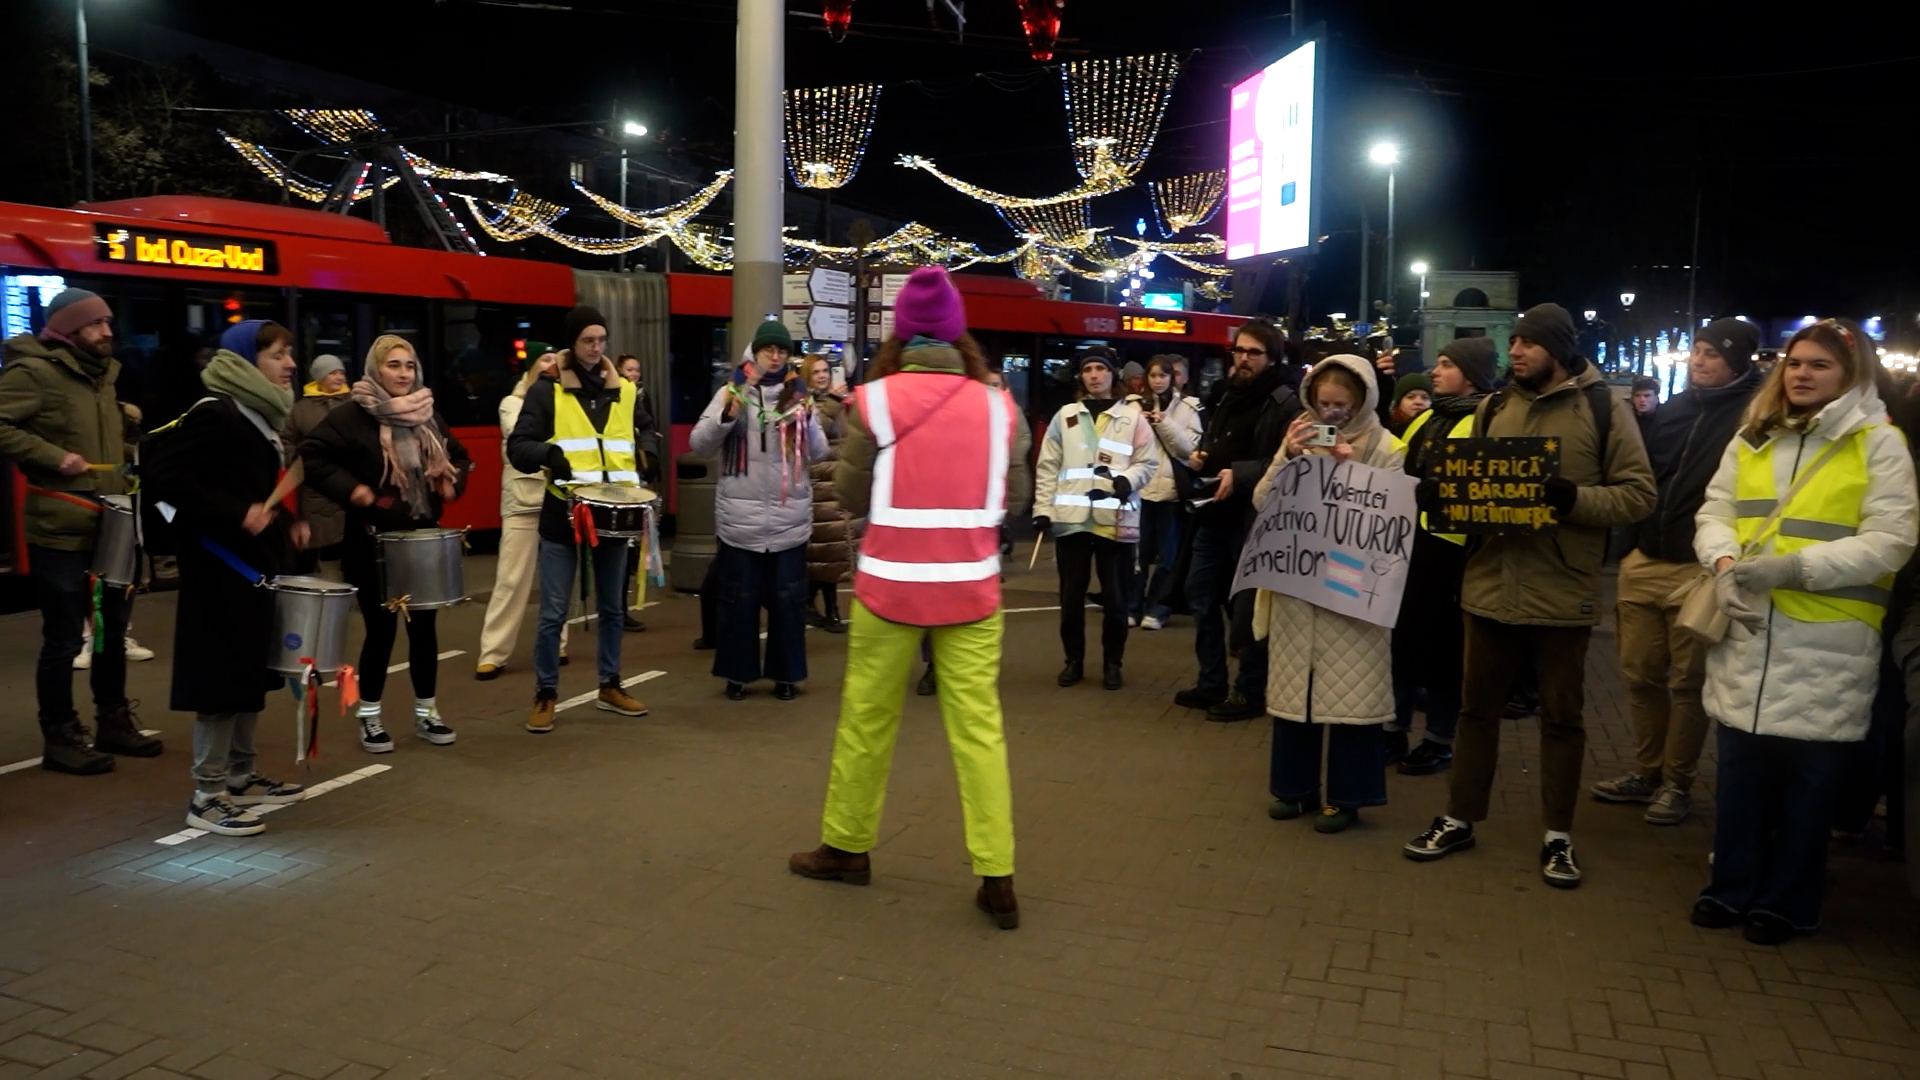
[1808, 517]
[515, 567]
[1175, 419]
[1329, 676]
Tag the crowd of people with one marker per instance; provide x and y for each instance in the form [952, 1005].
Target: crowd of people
[1764, 523]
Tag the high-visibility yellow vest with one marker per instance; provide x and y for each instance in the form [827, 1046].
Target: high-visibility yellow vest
[1826, 509]
[1462, 429]
[597, 457]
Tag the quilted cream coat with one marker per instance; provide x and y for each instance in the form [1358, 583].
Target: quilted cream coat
[1322, 666]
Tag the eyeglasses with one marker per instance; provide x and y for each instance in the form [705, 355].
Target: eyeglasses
[1239, 351]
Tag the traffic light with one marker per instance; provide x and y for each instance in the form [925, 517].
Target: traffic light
[520, 350]
[233, 309]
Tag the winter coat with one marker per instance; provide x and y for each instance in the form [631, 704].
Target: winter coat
[1323, 666]
[1688, 435]
[831, 552]
[1811, 680]
[768, 506]
[1178, 434]
[530, 451]
[1070, 447]
[49, 408]
[1552, 577]
[520, 492]
[1244, 427]
[213, 466]
[343, 453]
[326, 521]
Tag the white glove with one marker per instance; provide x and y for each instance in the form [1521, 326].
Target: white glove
[1727, 592]
[1765, 573]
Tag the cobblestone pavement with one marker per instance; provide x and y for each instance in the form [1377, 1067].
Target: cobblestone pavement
[612, 900]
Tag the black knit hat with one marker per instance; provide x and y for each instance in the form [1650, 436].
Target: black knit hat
[1735, 340]
[576, 323]
[1476, 357]
[1099, 354]
[1550, 327]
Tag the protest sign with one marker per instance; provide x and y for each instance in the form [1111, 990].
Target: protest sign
[1337, 535]
[1490, 486]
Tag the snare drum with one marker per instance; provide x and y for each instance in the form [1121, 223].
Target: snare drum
[619, 512]
[310, 620]
[423, 567]
[115, 551]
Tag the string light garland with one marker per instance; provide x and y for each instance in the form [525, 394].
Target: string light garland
[435, 171]
[1061, 225]
[306, 187]
[1182, 202]
[1121, 99]
[1208, 244]
[1105, 178]
[666, 217]
[827, 130]
[336, 125]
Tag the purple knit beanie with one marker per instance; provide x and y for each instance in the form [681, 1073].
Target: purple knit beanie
[929, 305]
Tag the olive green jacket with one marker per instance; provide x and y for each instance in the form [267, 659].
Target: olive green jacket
[49, 408]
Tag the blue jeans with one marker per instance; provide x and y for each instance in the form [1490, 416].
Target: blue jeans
[748, 581]
[1356, 763]
[1209, 581]
[1775, 802]
[558, 575]
[1159, 547]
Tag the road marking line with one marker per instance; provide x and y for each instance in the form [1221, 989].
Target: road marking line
[19, 766]
[313, 792]
[405, 664]
[582, 699]
[591, 615]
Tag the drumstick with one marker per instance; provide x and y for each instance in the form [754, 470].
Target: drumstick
[1035, 557]
[296, 473]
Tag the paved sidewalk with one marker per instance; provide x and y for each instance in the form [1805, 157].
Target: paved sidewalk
[612, 900]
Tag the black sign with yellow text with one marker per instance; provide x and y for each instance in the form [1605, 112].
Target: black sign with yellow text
[1154, 324]
[135, 246]
[1492, 486]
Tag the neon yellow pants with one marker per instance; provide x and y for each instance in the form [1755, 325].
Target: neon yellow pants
[880, 657]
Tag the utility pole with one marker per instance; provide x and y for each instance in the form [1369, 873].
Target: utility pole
[1365, 313]
[619, 127]
[1393, 271]
[759, 151]
[1693, 269]
[86, 103]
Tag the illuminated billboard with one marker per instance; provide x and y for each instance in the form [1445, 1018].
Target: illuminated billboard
[1272, 157]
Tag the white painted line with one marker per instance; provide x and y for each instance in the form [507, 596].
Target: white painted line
[314, 792]
[30, 763]
[405, 664]
[591, 615]
[582, 699]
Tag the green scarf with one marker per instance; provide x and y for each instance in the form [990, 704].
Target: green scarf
[229, 373]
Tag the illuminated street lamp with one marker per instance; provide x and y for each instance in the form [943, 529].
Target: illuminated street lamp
[1420, 270]
[634, 129]
[631, 129]
[1387, 155]
[1626, 303]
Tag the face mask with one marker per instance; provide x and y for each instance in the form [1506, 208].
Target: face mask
[1334, 414]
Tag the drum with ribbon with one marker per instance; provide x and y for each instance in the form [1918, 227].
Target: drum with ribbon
[421, 568]
[310, 617]
[618, 512]
[116, 549]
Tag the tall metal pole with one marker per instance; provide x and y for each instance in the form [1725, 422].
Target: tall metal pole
[86, 104]
[1693, 270]
[1366, 241]
[759, 153]
[1393, 270]
[621, 264]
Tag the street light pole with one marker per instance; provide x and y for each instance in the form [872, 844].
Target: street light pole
[1392, 171]
[758, 155]
[86, 104]
[621, 265]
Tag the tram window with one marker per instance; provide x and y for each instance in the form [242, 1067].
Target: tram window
[696, 364]
[1017, 370]
[477, 362]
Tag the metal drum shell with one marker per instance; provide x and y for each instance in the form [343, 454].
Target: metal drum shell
[619, 518]
[310, 617]
[116, 549]
[425, 566]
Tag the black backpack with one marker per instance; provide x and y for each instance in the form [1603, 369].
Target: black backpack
[157, 535]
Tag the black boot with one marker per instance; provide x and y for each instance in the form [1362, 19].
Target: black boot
[1110, 675]
[832, 624]
[70, 750]
[1396, 747]
[119, 733]
[1072, 673]
[928, 685]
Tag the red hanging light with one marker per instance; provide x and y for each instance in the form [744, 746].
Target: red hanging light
[839, 16]
[1041, 19]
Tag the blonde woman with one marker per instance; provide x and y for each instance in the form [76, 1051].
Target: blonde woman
[517, 565]
[1806, 521]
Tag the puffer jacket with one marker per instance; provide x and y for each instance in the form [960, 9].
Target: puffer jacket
[1178, 434]
[768, 505]
[49, 408]
[830, 554]
[1686, 438]
[1327, 667]
[520, 492]
[1552, 577]
[1811, 680]
[326, 521]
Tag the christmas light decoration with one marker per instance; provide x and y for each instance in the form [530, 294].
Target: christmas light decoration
[1041, 20]
[306, 187]
[1066, 225]
[1122, 100]
[1186, 201]
[446, 172]
[336, 125]
[827, 130]
[839, 16]
[1105, 178]
[1208, 244]
[666, 217]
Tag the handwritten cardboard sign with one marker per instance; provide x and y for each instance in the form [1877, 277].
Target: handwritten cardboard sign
[1490, 486]
[1337, 535]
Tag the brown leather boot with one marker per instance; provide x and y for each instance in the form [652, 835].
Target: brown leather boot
[829, 863]
[118, 732]
[997, 900]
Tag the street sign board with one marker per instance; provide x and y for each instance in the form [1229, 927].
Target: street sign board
[828, 286]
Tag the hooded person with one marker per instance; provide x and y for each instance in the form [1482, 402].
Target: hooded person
[521, 496]
[580, 428]
[62, 426]
[326, 390]
[930, 459]
[1328, 678]
[1412, 395]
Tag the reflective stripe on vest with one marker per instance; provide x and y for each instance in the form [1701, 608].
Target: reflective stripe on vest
[596, 457]
[1825, 510]
[1082, 456]
[1462, 429]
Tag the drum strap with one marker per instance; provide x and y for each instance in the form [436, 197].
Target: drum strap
[76, 500]
[254, 577]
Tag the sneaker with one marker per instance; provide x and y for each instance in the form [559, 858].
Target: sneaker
[928, 685]
[85, 659]
[1427, 758]
[1670, 807]
[1557, 865]
[1520, 706]
[1194, 697]
[428, 725]
[1236, 708]
[1333, 819]
[1766, 928]
[631, 625]
[615, 699]
[217, 814]
[540, 721]
[1631, 788]
[488, 672]
[1133, 621]
[1713, 915]
[137, 651]
[257, 790]
[1288, 809]
[701, 644]
[1441, 839]
[373, 734]
[1152, 622]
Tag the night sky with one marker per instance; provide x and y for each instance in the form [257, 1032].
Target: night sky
[1570, 147]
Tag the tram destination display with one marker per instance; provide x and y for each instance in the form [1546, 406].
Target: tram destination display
[201, 251]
